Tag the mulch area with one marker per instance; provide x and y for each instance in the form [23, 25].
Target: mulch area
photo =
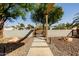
[15, 49]
[64, 48]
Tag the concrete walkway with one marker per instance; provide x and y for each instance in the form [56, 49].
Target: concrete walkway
[39, 48]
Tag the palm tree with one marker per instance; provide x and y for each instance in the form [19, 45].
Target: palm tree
[76, 21]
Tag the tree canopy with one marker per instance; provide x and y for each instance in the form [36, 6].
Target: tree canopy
[62, 26]
[55, 14]
[13, 10]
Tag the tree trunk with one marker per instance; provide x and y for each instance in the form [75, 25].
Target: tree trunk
[1, 29]
[43, 27]
[43, 32]
[1, 33]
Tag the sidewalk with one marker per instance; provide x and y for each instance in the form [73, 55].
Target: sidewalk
[39, 48]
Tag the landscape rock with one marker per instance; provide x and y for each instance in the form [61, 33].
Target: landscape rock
[69, 39]
[13, 40]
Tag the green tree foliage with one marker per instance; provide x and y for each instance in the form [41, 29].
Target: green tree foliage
[63, 26]
[29, 26]
[54, 15]
[12, 10]
[20, 26]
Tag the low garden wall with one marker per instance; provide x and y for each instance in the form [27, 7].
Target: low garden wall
[15, 33]
[58, 33]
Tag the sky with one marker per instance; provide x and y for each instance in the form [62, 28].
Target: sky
[70, 10]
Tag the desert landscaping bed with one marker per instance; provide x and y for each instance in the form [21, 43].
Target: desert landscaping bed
[15, 49]
[64, 48]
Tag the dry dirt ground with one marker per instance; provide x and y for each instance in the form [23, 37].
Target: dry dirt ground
[15, 49]
[64, 48]
[58, 47]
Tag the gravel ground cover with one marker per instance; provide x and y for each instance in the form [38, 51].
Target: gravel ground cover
[64, 48]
